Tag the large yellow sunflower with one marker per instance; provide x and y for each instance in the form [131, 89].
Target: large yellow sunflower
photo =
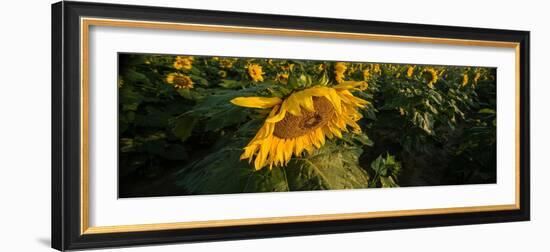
[301, 122]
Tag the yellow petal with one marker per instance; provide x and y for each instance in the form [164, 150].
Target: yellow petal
[309, 147]
[293, 103]
[249, 152]
[327, 132]
[320, 136]
[307, 103]
[279, 116]
[280, 152]
[170, 78]
[317, 91]
[314, 140]
[256, 102]
[289, 147]
[258, 164]
[334, 98]
[273, 149]
[299, 146]
[335, 131]
[268, 128]
[262, 156]
[351, 85]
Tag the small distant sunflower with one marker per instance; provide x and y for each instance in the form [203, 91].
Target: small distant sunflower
[179, 80]
[431, 76]
[464, 80]
[376, 69]
[255, 72]
[410, 71]
[183, 62]
[301, 122]
[339, 71]
[477, 77]
[222, 73]
[226, 63]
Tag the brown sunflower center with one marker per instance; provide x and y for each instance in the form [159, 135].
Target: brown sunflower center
[294, 126]
[181, 81]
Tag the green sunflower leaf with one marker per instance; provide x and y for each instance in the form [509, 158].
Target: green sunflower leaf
[184, 127]
[221, 172]
[331, 167]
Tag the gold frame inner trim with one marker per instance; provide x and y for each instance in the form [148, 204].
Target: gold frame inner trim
[86, 23]
[289, 219]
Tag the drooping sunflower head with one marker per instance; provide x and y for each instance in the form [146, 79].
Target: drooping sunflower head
[255, 72]
[183, 62]
[179, 80]
[301, 122]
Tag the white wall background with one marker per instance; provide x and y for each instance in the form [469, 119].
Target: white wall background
[25, 125]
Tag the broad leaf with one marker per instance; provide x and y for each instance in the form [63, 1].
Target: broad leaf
[331, 167]
[386, 171]
[184, 127]
[219, 172]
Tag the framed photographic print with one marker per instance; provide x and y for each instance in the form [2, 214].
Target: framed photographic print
[180, 125]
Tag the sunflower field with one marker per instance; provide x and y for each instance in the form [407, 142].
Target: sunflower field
[191, 125]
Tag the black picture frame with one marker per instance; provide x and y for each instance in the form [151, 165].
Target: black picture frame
[66, 125]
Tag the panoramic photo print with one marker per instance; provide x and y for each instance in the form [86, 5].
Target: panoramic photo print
[195, 125]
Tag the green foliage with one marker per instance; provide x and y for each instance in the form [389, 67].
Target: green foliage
[386, 171]
[184, 127]
[445, 134]
[330, 167]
